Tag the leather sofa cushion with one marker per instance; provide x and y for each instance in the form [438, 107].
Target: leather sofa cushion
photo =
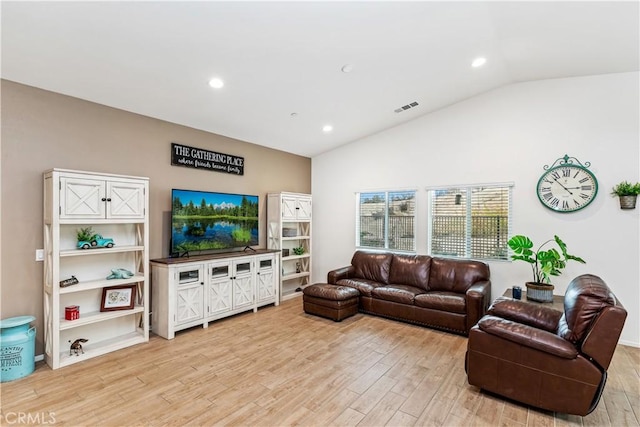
[456, 275]
[364, 286]
[412, 270]
[528, 336]
[535, 315]
[444, 301]
[372, 266]
[402, 294]
[585, 297]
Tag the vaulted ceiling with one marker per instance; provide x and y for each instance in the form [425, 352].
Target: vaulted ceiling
[290, 68]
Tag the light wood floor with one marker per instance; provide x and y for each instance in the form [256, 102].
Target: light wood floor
[281, 367]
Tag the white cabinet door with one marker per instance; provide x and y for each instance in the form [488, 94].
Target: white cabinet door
[266, 285]
[125, 200]
[296, 208]
[304, 208]
[242, 283]
[219, 297]
[81, 198]
[84, 198]
[189, 303]
[289, 211]
[242, 291]
[219, 288]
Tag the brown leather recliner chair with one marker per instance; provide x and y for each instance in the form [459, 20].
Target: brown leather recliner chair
[545, 358]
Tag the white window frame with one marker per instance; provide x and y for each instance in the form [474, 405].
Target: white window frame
[468, 237]
[386, 220]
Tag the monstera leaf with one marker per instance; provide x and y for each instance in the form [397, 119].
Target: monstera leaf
[544, 263]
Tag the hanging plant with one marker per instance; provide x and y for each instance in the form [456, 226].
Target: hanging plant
[628, 194]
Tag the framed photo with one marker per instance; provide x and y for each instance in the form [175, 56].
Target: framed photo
[118, 298]
[285, 252]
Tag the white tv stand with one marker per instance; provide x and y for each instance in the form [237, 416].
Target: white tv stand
[193, 291]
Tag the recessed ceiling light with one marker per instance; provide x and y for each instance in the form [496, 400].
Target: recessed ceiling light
[216, 83]
[478, 62]
[327, 128]
[294, 115]
[347, 68]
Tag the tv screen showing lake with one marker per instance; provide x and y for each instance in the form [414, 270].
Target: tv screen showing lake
[203, 221]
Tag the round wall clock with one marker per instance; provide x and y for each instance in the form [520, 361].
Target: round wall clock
[567, 185]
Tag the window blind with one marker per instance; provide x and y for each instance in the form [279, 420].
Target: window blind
[470, 221]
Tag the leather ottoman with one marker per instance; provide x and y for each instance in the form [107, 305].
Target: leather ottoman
[330, 301]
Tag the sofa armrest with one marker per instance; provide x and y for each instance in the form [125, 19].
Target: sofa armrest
[528, 336]
[535, 315]
[477, 297]
[341, 273]
[602, 338]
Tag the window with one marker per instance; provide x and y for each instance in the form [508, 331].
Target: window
[386, 220]
[470, 221]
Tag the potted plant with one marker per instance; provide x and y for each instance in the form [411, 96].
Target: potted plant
[544, 264]
[628, 194]
[85, 234]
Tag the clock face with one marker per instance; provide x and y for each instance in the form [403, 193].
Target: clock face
[567, 188]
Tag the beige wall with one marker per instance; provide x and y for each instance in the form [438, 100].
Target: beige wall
[42, 130]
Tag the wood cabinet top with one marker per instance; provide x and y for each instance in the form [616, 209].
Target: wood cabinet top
[210, 257]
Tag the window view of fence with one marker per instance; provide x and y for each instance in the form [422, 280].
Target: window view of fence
[489, 235]
[470, 222]
[386, 220]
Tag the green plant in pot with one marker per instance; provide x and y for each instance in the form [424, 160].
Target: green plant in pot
[85, 234]
[628, 194]
[544, 264]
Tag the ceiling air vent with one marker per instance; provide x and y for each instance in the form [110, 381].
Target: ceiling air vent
[406, 107]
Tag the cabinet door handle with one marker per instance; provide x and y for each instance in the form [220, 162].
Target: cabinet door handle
[104, 199]
[108, 199]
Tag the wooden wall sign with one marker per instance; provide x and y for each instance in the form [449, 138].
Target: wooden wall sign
[198, 158]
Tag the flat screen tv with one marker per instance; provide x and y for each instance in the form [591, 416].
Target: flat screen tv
[210, 221]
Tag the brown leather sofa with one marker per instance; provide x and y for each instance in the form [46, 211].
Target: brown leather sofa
[545, 358]
[441, 293]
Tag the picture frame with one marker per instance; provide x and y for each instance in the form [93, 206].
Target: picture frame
[285, 253]
[118, 298]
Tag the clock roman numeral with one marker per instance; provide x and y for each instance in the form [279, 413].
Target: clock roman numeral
[565, 204]
[547, 196]
[583, 180]
[584, 196]
[555, 202]
[555, 175]
[566, 172]
[586, 188]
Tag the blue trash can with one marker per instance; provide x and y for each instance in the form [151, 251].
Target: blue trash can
[17, 347]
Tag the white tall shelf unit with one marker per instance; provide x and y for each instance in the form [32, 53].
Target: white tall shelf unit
[115, 206]
[288, 227]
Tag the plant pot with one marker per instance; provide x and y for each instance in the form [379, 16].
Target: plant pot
[628, 202]
[541, 292]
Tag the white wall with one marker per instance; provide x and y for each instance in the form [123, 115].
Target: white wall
[506, 135]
